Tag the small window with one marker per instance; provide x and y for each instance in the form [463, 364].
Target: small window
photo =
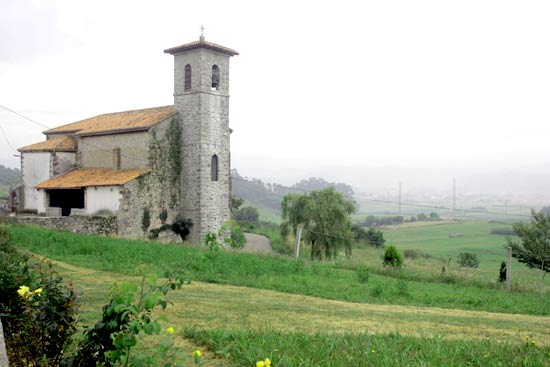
[214, 168]
[187, 82]
[116, 158]
[215, 77]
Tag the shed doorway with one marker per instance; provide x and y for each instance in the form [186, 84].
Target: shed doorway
[66, 199]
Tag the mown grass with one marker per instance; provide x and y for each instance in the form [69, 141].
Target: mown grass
[268, 272]
[300, 349]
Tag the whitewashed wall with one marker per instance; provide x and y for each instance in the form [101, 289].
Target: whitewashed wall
[36, 168]
[102, 198]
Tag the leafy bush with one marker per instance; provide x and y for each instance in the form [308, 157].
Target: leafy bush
[362, 274]
[468, 260]
[502, 272]
[392, 257]
[38, 310]
[236, 238]
[128, 314]
[370, 237]
[247, 214]
[182, 227]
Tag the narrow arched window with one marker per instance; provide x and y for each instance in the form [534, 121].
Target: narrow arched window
[215, 77]
[187, 81]
[214, 168]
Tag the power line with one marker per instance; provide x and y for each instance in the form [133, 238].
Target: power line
[25, 117]
[7, 140]
[406, 204]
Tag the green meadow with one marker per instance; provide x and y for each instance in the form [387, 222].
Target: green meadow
[241, 308]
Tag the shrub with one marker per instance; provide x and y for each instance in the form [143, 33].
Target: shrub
[182, 227]
[392, 257]
[237, 238]
[247, 214]
[468, 260]
[38, 310]
[128, 315]
[362, 274]
[502, 272]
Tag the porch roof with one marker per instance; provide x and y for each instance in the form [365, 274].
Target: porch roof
[85, 177]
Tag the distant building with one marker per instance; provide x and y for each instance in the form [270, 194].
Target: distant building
[166, 161]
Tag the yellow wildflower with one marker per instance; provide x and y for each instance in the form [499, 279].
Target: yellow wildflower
[170, 330]
[533, 342]
[197, 353]
[38, 291]
[267, 362]
[23, 291]
[260, 364]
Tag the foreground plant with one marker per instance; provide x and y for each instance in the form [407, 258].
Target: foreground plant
[127, 317]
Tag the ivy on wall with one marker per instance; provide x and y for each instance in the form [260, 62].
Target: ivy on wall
[165, 156]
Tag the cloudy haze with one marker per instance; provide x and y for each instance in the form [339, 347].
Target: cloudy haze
[363, 92]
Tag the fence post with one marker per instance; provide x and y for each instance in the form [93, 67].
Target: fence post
[509, 269]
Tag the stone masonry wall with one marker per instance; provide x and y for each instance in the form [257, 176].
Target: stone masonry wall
[156, 192]
[204, 115]
[97, 151]
[106, 226]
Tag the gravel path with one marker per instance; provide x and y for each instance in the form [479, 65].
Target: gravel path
[257, 243]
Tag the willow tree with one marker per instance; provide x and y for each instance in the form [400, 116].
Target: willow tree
[533, 247]
[325, 218]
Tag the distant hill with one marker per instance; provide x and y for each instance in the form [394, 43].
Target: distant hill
[268, 196]
[9, 177]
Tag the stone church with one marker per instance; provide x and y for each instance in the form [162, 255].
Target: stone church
[145, 167]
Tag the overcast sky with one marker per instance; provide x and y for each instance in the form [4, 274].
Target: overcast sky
[319, 88]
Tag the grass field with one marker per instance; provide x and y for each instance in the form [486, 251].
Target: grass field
[337, 281]
[299, 314]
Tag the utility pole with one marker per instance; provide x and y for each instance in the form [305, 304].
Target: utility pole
[454, 196]
[297, 243]
[400, 211]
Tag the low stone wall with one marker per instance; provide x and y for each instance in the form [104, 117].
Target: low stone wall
[100, 225]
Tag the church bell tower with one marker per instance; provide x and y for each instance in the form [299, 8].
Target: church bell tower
[201, 96]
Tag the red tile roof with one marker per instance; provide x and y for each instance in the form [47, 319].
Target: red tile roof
[117, 122]
[56, 144]
[85, 177]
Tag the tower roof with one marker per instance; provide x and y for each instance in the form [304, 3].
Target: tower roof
[201, 44]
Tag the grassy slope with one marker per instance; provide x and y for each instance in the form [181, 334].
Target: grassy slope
[244, 325]
[434, 239]
[277, 273]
